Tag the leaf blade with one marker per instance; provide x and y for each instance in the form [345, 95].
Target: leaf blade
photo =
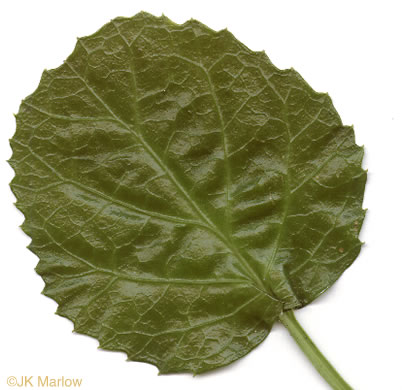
[162, 154]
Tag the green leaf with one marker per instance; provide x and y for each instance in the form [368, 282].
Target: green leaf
[182, 192]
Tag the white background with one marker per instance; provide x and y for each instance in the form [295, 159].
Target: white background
[351, 49]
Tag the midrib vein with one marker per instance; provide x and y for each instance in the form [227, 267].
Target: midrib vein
[287, 195]
[228, 176]
[223, 127]
[209, 227]
[137, 122]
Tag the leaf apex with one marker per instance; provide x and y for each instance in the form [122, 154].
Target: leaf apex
[145, 13]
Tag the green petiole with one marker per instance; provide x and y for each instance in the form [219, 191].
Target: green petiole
[322, 365]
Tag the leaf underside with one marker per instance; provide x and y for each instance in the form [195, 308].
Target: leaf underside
[181, 191]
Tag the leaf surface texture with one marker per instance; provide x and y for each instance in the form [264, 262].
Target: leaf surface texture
[181, 191]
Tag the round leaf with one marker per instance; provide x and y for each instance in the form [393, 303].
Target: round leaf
[181, 192]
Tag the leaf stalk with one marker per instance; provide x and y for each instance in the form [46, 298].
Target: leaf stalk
[322, 365]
